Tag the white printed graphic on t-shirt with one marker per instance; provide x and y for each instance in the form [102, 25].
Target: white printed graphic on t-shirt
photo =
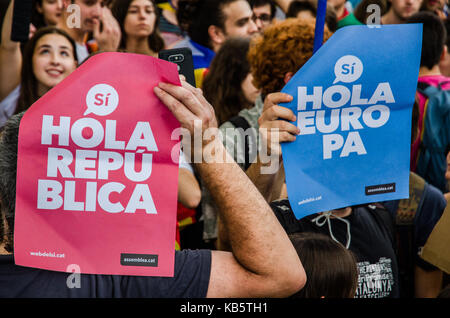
[375, 280]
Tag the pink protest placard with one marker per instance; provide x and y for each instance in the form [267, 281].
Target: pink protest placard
[96, 183]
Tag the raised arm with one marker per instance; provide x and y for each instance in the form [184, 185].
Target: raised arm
[263, 262]
[10, 57]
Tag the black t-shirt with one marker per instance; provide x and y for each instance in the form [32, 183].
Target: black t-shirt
[370, 241]
[191, 279]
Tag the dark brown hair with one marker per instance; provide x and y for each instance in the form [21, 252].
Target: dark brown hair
[331, 269]
[119, 9]
[222, 84]
[29, 83]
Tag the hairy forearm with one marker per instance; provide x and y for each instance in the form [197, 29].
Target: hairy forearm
[257, 239]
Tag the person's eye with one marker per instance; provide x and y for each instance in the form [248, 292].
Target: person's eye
[65, 53]
[242, 22]
[44, 51]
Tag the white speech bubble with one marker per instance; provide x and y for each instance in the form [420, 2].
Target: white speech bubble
[348, 69]
[102, 100]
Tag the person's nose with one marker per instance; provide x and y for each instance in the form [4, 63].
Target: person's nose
[59, 4]
[252, 27]
[54, 58]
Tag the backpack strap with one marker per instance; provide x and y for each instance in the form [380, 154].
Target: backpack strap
[422, 86]
[241, 122]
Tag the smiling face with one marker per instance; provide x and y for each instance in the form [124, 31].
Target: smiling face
[140, 19]
[53, 61]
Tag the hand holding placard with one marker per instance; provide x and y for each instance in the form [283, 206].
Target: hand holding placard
[98, 181]
[353, 101]
[197, 118]
[187, 104]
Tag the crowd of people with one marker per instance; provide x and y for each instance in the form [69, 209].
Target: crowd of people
[237, 235]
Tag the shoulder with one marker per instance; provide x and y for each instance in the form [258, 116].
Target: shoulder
[433, 205]
[435, 80]
[192, 273]
[350, 19]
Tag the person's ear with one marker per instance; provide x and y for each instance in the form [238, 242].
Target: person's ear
[287, 77]
[216, 36]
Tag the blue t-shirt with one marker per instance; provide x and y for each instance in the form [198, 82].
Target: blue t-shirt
[191, 279]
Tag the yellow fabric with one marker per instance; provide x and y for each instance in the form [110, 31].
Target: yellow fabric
[166, 6]
[199, 75]
[184, 222]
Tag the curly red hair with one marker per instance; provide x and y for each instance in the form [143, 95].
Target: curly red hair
[283, 47]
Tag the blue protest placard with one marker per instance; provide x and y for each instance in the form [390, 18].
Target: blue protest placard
[353, 101]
